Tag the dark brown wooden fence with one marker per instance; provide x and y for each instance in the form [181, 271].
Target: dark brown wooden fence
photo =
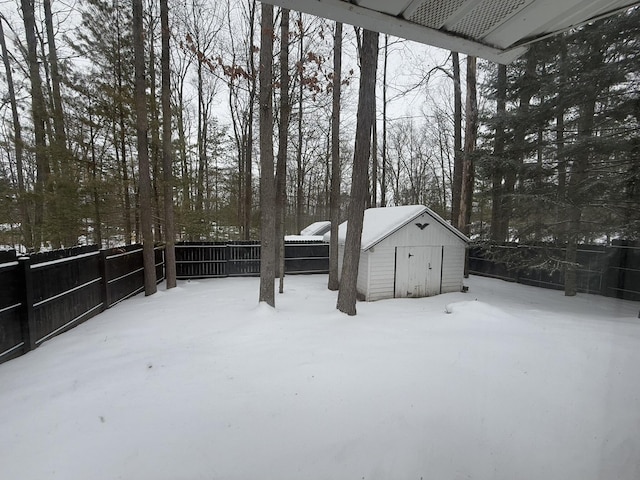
[45, 294]
[229, 259]
[612, 271]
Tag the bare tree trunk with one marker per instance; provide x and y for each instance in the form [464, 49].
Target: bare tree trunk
[142, 128]
[202, 154]
[336, 174]
[576, 191]
[66, 225]
[248, 173]
[560, 151]
[519, 141]
[373, 197]
[167, 156]
[359, 183]
[39, 116]
[456, 184]
[383, 183]
[299, 171]
[156, 156]
[128, 228]
[498, 234]
[471, 128]
[283, 137]
[97, 224]
[267, 183]
[25, 220]
[58, 117]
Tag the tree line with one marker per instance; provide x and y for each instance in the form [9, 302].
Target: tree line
[545, 149]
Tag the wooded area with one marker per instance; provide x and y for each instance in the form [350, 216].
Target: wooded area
[550, 150]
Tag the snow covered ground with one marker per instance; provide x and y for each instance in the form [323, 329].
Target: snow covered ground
[200, 382]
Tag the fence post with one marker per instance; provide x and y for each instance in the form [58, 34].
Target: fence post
[28, 316]
[227, 255]
[106, 298]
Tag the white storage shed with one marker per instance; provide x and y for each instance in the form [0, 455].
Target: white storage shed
[407, 251]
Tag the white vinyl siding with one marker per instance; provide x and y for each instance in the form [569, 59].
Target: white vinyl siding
[381, 273]
[452, 268]
[363, 274]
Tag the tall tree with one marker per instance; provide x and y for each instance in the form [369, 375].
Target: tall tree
[243, 89]
[518, 149]
[592, 55]
[142, 128]
[167, 152]
[299, 166]
[359, 182]
[25, 218]
[383, 180]
[64, 226]
[38, 111]
[456, 183]
[471, 128]
[336, 174]
[155, 146]
[560, 131]
[267, 183]
[105, 39]
[283, 143]
[498, 232]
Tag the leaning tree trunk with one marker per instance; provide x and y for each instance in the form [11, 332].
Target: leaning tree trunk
[360, 180]
[267, 183]
[336, 174]
[142, 128]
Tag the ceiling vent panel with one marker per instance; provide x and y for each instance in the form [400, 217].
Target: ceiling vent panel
[487, 15]
[435, 13]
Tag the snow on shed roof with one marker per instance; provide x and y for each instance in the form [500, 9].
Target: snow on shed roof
[381, 222]
[316, 228]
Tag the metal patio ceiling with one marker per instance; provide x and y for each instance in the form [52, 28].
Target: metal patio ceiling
[498, 30]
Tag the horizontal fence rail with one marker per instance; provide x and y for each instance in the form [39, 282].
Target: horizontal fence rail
[612, 271]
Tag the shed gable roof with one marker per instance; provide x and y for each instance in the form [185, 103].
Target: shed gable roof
[380, 223]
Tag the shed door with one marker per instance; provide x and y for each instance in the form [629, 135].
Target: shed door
[418, 271]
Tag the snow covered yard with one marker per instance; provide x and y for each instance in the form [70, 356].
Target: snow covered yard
[202, 383]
